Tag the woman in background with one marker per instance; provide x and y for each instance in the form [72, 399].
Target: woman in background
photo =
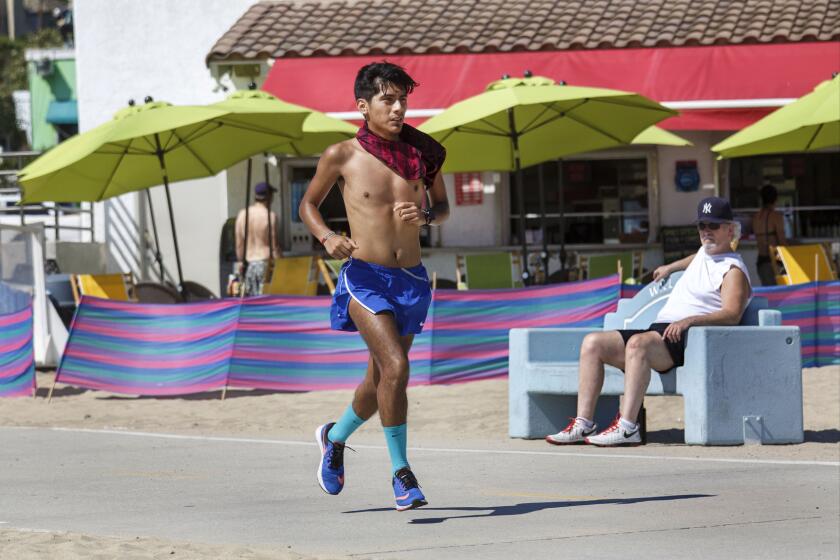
[769, 228]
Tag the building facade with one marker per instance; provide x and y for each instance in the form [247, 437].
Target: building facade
[721, 66]
[52, 86]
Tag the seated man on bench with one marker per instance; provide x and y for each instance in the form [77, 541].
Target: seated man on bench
[714, 290]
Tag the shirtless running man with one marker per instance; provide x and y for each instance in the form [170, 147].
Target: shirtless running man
[383, 289]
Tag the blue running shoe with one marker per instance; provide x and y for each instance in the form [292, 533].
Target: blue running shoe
[407, 492]
[331, 466]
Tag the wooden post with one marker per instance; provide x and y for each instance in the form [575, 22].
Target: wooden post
[322, 266]
[55, 380]
[76, 292]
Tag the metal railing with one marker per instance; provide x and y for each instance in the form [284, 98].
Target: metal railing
[805, 222]
[56, 217]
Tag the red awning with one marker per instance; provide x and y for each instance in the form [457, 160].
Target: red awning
[714, 88]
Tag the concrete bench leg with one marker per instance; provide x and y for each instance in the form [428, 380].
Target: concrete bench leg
[748, 371]
[536, 415]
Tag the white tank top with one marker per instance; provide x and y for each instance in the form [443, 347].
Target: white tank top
[698, 290]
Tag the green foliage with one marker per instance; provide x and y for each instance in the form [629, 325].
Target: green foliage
[13, 70]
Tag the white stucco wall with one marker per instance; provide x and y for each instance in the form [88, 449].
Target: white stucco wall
[476, 225]
[128, 49]
[680, 208]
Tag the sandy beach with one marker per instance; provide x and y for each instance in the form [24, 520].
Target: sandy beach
[32, 545]
[469, 415]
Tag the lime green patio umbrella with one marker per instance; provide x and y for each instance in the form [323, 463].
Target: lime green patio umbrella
[519, 122]
[152, 144]
[319, 131]
[660, 137]
[810, 123]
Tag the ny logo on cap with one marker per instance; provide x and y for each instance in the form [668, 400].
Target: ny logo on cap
[707, 208]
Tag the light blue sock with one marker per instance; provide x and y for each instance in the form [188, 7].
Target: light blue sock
[346, 425]
[397, 439]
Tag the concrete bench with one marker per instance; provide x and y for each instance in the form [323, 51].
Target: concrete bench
[739, 383]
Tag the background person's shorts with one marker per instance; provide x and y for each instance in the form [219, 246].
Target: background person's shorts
[404, 292]
[675, 349]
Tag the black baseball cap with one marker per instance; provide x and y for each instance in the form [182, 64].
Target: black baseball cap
[262, 189]
[715, 210]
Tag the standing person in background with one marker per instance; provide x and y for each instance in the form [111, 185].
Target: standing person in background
[769, 228]
[262, 240]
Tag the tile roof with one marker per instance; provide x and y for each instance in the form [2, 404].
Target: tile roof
[306, 28]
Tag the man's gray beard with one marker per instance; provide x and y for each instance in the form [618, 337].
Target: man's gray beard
[711, 247]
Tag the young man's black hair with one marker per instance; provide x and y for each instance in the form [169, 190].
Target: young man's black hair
[376, 76]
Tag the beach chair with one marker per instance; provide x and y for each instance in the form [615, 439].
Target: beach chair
[154, 292]
[293, 276]
[485, 271]
[193, 291]
[106, 286]
[800, 264]
[60, 293]
[330, 269]
[628, 264]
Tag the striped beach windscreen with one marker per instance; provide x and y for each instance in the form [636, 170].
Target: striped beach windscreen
[469, 329]
[150, 349]
[285, 343]
[815, 309]
[17, 357]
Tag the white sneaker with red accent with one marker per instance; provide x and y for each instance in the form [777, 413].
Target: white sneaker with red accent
[616, 435]
[575, 432]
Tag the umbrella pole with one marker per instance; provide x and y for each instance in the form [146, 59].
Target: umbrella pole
[562, 209]
[174, 235]
[544, 254]
[270, 228]
[158, 256]
[245, 242]
[520, 197]
[265, 167]
[171, 214]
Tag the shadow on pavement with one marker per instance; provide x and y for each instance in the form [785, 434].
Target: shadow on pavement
[831, 435]
[672, 435]
[522, 509]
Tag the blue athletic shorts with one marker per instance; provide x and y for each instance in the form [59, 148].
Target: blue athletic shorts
[405, 292]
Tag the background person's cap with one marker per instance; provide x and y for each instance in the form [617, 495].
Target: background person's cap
[715, 210]
[262, 189]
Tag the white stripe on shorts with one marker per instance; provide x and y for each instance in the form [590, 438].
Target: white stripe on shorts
[349, 291]
[414, 275]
